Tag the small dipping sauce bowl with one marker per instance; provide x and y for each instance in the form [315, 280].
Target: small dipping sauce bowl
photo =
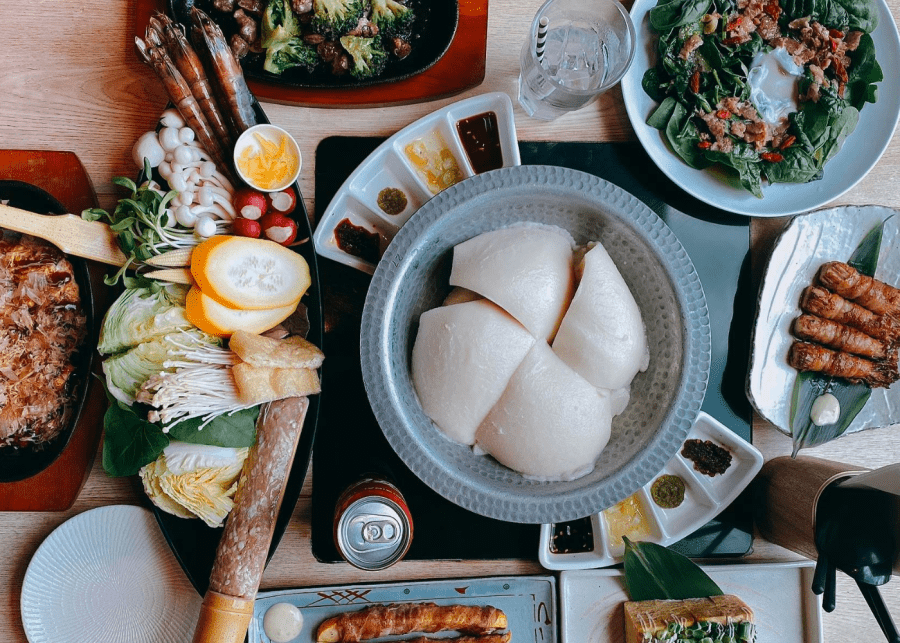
[267, 158]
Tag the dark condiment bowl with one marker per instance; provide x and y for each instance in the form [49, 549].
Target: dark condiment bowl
[18, 463]
[433, 30]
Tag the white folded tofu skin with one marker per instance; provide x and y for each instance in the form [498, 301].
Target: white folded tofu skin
[549, 423]
[526, 269]
[602, 336]
[462, 359]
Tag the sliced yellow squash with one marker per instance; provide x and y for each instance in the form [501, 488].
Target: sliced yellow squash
[249, 274]
[212, 317]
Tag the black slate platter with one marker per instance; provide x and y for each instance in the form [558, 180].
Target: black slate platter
[194, 543]
[350, 443]
[21, 463]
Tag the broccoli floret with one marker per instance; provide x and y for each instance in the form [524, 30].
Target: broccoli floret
[336, 17]
[286, 54]
[392, 18]
[369, 57]
[278, 23]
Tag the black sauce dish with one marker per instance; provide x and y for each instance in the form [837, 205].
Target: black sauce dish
[434, 28]
[19, 463]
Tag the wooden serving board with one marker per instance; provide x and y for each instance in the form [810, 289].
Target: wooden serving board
[460, 68]
[56, 487]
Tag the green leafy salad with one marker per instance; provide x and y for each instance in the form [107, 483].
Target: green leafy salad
[711, 112]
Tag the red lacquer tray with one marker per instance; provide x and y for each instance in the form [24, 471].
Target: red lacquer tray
[460, 68]
[56, 487]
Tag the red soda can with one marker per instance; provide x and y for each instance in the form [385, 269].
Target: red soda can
[373, 527]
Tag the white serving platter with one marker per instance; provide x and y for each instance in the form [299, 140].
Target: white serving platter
[810, 240]
[389, 166]
[529, 603]
[107, 575]
[784, 607]
[859, 154]
[705, 497]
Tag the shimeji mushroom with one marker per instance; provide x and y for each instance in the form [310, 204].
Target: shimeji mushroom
[204, 194]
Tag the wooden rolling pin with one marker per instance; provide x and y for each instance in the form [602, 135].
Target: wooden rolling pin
[241, 555]
[68, 232]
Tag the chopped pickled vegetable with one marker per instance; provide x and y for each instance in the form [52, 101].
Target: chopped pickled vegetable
[269, 166]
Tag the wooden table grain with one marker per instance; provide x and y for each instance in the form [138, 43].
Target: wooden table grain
[69, 80]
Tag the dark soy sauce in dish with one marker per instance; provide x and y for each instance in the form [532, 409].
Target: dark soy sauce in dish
[481, 141]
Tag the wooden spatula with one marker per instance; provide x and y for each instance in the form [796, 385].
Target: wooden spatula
[68, 232]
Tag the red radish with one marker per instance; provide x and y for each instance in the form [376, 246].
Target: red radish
[246, 227]
[279, 228]
[284, 201]
[250, 203]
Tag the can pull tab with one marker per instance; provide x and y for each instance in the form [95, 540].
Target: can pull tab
[380, 531]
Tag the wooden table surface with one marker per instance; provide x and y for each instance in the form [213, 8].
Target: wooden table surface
[70, 80]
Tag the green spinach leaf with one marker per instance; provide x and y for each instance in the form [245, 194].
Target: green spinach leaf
[129, 442]
[675, 13]
[235, 430]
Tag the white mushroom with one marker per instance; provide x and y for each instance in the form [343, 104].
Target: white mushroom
[183, 154]
[185, 216]
[148, 147]
[168, 138]
[205, 226]
[171, 118]
[186, 135]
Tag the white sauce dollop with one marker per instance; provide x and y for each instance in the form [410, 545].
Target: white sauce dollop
[773, 81]
[283, 622]
[825, 410]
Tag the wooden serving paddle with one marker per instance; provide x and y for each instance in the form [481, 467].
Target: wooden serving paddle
[241, 555]
[68, 232]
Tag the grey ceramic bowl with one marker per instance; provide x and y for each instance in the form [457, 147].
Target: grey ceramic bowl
[412, 278]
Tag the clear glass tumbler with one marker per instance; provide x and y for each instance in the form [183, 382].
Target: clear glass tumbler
[587, 46]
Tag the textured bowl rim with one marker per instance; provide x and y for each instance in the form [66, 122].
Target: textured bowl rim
[568, 500]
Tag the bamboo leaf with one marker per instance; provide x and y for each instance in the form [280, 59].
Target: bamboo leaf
[653, 572]
[808, 386]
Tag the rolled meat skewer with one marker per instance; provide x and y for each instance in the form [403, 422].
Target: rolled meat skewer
[870, 293]
[812, 357]
[180, 95]
[241, 555]
[506, 637]
[839, 337]
[188, 64]
[379, 621]
[223, 71]
[823, 303]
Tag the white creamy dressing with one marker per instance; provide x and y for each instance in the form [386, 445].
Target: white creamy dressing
[283, 622]
[825, 410]
[773, 79]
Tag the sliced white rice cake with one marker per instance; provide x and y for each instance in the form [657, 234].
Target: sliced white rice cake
[525, 269]
[462, 360]
[550, 423]
[602, 335]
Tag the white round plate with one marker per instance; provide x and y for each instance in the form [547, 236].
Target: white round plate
[107, 576]
[860, 152]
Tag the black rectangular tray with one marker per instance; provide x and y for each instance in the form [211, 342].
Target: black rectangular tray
[349, 442]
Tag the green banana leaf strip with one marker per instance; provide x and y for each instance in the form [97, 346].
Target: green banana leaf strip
[808, 386]
[653, 572]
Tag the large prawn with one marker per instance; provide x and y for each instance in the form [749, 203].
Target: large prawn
[224, 71]
[180, 95]
[823, 303]
[846, 281]
[163, 32]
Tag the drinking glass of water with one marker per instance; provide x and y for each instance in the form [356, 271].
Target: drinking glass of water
[575, 51]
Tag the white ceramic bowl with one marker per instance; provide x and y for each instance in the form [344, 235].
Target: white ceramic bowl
[274, 134]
